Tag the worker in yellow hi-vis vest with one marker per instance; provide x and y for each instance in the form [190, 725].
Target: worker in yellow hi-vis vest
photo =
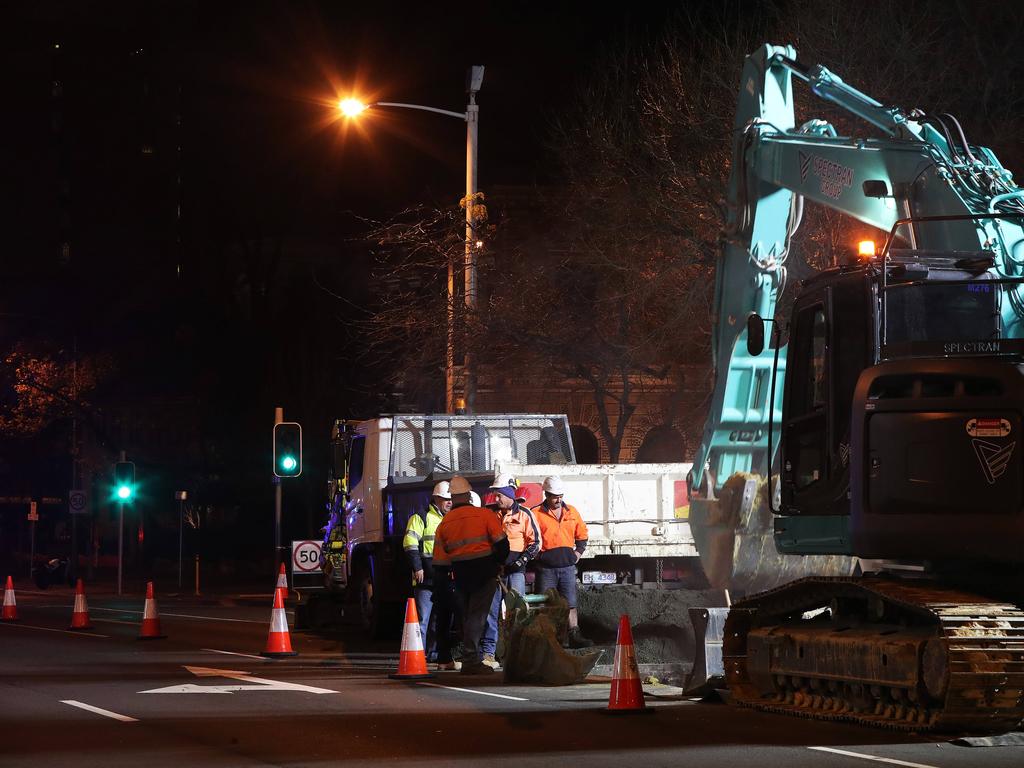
[419, 547]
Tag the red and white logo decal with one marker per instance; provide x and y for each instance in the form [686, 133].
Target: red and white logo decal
[988, 427]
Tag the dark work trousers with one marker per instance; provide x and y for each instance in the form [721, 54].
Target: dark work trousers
[444, 613]
[476, 604]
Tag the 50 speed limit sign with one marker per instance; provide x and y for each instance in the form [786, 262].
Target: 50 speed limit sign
[305, 557]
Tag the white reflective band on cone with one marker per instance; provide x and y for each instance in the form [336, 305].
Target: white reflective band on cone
[411, 640]
[149, 611]
[278, 621]
[9, 597]
[625, 664]
[80, 604]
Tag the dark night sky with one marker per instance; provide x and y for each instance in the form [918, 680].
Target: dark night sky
[263, 155]
[257, 79]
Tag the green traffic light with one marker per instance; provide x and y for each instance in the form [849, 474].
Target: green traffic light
[124, 492]
[288, 463]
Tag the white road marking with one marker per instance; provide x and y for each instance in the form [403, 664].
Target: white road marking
[888, 760]
[183, 615]
[234, 653]
[116, 621]
[50, 629]
[261, 684]
[98, 711]
[470, 690]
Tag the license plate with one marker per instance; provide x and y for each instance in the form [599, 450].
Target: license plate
[598, 577]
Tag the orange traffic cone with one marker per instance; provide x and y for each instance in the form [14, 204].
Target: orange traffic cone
[279, 642]
[282, 579]
[10, 612]
[412, 661]
[150, 617]
[627, 694]
[80, 614]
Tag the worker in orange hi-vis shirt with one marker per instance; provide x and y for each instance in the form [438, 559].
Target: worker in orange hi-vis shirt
[563, 541]
[476, 545]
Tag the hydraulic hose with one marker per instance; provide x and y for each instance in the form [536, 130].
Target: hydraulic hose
[963, 137]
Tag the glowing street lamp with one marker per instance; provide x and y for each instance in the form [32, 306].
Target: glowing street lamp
[351, 107]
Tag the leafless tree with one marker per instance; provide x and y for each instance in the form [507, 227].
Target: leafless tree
[612, 283]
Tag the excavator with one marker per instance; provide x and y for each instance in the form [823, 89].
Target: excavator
[873, 439]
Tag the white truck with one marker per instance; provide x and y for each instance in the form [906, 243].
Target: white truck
[384, 468]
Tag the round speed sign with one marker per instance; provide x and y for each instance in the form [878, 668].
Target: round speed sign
[305, 556]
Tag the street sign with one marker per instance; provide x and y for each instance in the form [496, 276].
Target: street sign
[306, 557]
[78, 503]
[33, 512]
[260, 683]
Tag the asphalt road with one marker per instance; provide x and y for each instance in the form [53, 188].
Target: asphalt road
[94, 699]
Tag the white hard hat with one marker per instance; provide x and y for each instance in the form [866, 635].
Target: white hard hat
[554, 485]
[459, 485]
[442, 491]
[503, 480]
[474, 499]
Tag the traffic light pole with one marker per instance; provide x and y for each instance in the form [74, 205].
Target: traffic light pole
[120, 538]
[278, 418]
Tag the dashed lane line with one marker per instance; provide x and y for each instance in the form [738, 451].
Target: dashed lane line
[470, 690]
[51, 629]
[235, 653]
[98, 711]
[887, 760]
[175, 615]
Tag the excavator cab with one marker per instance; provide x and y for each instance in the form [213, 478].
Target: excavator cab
[892, 366]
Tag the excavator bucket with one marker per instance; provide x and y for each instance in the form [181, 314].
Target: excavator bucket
[734, 535]
[529, 641]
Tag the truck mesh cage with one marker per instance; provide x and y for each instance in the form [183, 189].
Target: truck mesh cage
[423, 446]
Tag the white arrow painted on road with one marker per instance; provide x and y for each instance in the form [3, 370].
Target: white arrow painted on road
[261, 684]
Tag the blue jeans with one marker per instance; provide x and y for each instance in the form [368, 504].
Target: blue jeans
[424, 602]
[517, 581]
[562, 579]
[489, 641]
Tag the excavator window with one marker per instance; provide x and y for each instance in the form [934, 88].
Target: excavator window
[807, 417]
[818, 347]
[812, 346]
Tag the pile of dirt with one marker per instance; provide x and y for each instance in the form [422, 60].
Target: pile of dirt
[661, 624]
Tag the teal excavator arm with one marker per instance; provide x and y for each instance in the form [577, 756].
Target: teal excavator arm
[923, 166]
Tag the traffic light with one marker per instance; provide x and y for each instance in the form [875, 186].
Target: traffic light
[124, 481]
[288, 449]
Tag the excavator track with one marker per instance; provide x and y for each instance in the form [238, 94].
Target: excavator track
[909, 655]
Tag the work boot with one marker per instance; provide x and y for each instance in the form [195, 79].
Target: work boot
[449, 666]
[490, 661]
[477, 668]
[577, 640]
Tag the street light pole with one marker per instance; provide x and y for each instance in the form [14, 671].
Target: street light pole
[471, 116]
[476, 76]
